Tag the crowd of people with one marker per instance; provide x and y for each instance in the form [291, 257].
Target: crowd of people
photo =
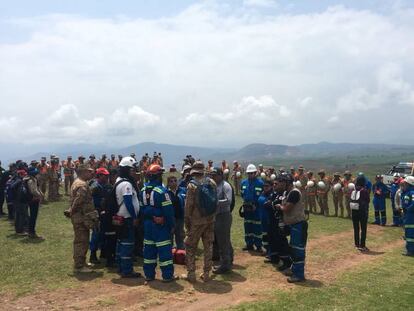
[121, 207]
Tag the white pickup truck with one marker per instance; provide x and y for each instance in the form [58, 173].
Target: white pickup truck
[402, 168]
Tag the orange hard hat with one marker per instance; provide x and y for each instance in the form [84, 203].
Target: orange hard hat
[155, 169]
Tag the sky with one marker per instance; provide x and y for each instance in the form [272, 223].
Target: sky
[206, 73]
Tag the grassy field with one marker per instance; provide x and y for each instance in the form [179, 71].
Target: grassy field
[383, 283]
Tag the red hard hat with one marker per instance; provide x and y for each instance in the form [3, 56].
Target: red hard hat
[154, 169]
[102, 171]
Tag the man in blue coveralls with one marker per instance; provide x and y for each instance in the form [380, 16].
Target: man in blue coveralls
[407, 200]
[158, 226]
[380, 190]
[251, 189]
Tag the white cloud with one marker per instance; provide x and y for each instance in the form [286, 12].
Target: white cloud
[261, 3]
[127, 80]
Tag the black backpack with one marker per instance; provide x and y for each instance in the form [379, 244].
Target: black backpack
[21, 191]
[111, 203]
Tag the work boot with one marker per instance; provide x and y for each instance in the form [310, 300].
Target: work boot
[283, 267]
[295, 279]
[35, 236]
[83, 270]
[408, 254]
[221, 270]
[174, 278]
[131, 275]
[190, 277]
[93, 259]
[205, 276]
[261, 251]
[248, 248]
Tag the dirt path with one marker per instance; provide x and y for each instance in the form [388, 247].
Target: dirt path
[252, 280]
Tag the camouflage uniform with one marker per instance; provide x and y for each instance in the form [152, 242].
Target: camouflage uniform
[42, 178]
[322, 194]
[301, 176]
[311, 195]
[347, 193]
[338, 196]
[69, 173]
[53, 178]
[237, 180]
[84, 217]
[197, 227]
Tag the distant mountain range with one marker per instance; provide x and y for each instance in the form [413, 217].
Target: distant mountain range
[252, 152]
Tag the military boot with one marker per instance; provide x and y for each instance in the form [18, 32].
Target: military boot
[190, 277]
[93, 258]
[205, 276]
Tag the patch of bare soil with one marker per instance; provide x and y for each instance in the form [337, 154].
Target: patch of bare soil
[238, 287]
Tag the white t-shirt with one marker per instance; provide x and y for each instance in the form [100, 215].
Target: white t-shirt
[125, 188]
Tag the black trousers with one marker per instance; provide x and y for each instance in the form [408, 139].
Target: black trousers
[34, 210]
[359, 220]
[1, 200]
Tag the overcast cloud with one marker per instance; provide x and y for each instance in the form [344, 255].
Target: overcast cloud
[211, 75]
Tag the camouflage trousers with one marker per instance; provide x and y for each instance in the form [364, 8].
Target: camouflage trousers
[204, 232]
[80, 244]
[323, 204]
[348, 206]
[68, 183]
[53, 194]
[311, 203]
[42, 184]
[338, 200]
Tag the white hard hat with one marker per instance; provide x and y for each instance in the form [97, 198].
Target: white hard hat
[262, 174]
[185, 168]
[260, 165]
[226, 171]
[310, 183]
[251, 168]
[409, 180]
[298, 184]
[238, 174]
[128, 162]
[273, 176]
[351, 186]
[337, 187]
[321, 185]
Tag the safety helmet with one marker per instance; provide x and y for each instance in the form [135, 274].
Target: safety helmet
[310, 184]
[154, 169]
[238, 174]
[262, 174]
[351, 186]
[298, 184]
[285, 177]
[260, 165]
[273, 176]
[337, 187]
[186, 168]
[409, 180]
[102, 171]
[321, 185]
[226, 171]
[128, 162]
[251, 168]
